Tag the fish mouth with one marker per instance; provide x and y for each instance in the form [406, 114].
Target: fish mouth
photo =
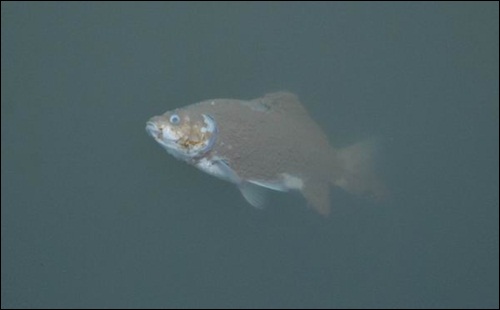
[170, 143]
[185, 142]
[157, 133]
[152, 129]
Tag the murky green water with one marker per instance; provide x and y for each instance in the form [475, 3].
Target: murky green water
[95, 214]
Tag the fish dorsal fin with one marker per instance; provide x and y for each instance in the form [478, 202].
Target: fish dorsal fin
[283, 102]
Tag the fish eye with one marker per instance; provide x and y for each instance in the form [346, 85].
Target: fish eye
[175, 119]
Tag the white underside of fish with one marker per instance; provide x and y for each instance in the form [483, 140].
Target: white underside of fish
[254, 191]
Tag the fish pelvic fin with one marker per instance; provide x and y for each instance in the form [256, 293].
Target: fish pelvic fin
[254, 194]
[317, 195]
[358, 176]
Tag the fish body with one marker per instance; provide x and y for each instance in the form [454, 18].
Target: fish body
[265, 143]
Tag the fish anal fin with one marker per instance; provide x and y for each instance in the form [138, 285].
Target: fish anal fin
[317, 195]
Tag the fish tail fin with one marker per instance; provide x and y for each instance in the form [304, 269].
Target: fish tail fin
[358, 177]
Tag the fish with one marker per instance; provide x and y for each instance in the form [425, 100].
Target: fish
[267, 143]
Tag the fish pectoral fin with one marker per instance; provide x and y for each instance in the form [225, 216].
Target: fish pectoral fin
[317, 195]
[254, 194]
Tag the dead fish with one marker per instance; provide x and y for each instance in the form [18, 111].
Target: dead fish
[265, 143]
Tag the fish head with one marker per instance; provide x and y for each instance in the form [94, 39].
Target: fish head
[187, 136]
